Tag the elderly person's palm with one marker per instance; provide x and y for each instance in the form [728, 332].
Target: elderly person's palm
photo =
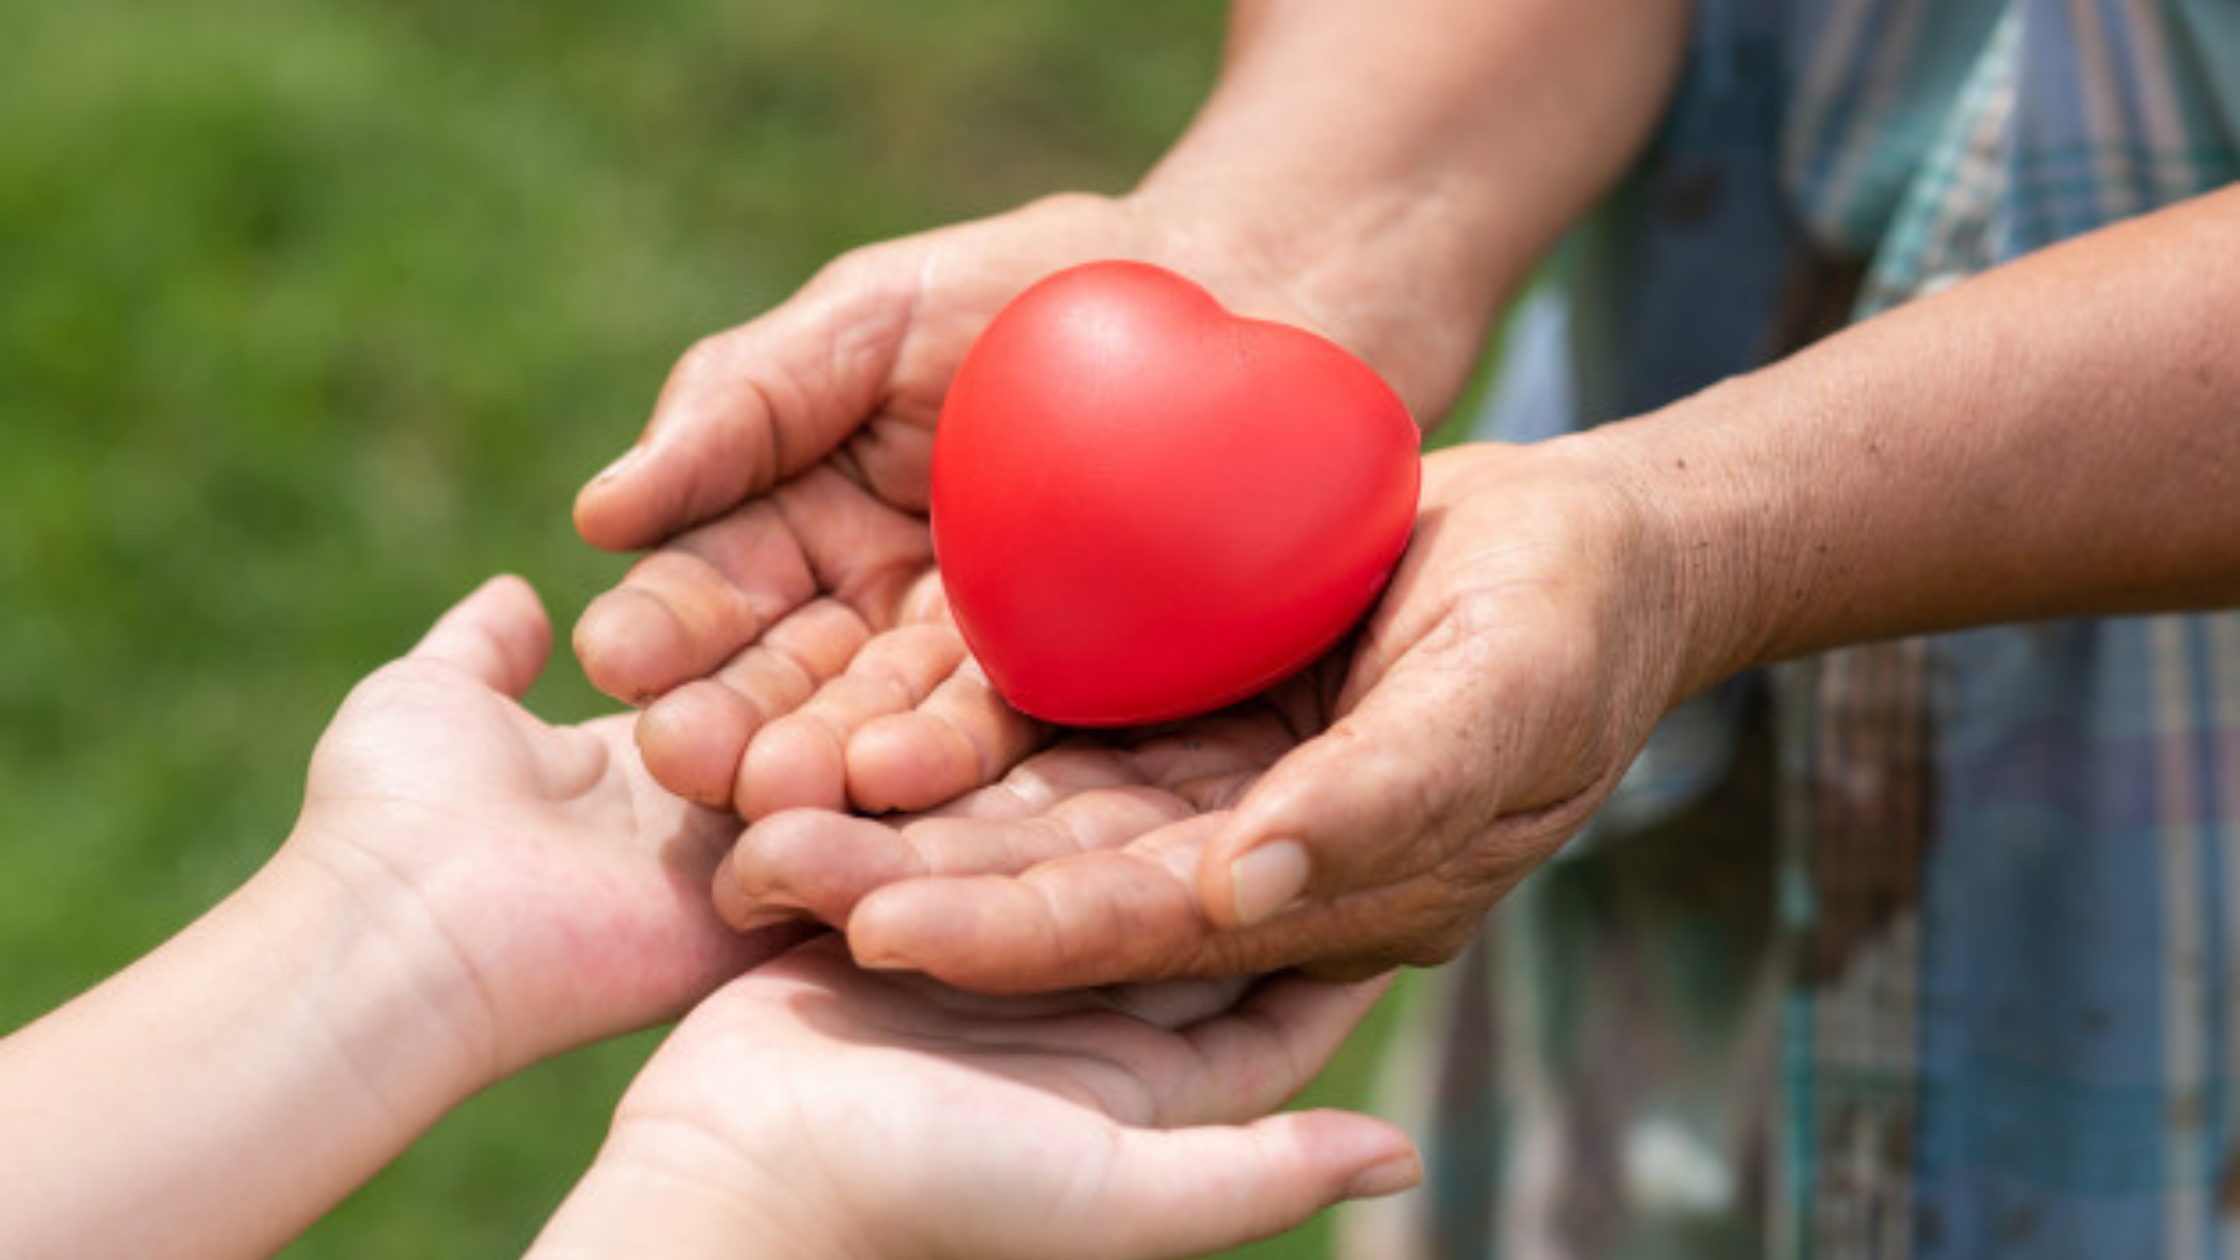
[1362, 815]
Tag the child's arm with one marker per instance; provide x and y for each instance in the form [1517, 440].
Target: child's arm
[466, 891]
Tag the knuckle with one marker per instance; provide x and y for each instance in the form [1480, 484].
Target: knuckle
[850, 268]
[701, 361]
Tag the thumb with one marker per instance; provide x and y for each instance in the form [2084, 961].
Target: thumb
[498, 636]
[746, 408]
[1189, 1192]
[1383, 794]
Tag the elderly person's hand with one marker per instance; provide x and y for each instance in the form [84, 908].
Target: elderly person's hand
[789, 603]
[1896, 478]
[788, 635]
[1363, 815]
[792, 598]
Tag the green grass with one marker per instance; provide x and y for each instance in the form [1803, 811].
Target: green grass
[313, 313]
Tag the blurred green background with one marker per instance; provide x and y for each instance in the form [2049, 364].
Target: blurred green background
[312, 314]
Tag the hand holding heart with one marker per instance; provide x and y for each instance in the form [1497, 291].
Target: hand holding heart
[789, 635]
[1362, 815]
[792, 634]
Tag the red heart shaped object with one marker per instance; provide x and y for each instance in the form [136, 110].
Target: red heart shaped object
[1145, 507]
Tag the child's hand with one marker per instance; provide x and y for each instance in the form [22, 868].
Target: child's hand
[467, 890]
[814, 1109]
[538, 886]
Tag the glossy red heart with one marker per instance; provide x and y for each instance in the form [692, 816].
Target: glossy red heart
[1145, 507]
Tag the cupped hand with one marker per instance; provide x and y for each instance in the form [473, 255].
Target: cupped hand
[539, 888]
[826, 1110]
[790, 606]
[1362, 816]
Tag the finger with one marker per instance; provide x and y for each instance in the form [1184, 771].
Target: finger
[1174, 1004]
[1196, 1191]
[1103, 917]
[800, 759]
[809, 863]
[1089, 822]
[965, 734]
[821, 863]
[1128, 914]
[1210, 761]
[961, 737]
[1385, 794]
[747, 408]
[1256, 1041]
[1041, 782]
[1274, 1044]
[682, 611]
[694, 738]
[685, 610]
[498, 635]
[872, 554]
[1069, 1022]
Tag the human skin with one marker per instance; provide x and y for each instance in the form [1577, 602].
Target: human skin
[1556, 600]
[787, 634]
[812, 1109]
[466, 890]
[2058, 437]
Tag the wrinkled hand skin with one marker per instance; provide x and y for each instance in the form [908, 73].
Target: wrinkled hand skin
[1509, 675]
[796, 664]
[788, 640]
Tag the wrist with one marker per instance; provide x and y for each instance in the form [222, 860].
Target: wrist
[682, 1194]
[1713, 536]
[372, 973]
[1397, 181]
[1397, 279]
[249, 1073]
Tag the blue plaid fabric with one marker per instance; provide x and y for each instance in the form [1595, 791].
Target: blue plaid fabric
[1928, 948]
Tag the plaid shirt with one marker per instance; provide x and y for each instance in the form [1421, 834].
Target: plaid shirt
[1928, 948]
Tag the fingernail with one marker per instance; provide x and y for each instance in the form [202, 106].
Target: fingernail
[1390, 1177]
[1268, 880]
[621, 464]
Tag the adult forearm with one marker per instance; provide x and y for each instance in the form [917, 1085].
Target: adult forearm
[1397, 168]
[217, 1096]
[2058, 437]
